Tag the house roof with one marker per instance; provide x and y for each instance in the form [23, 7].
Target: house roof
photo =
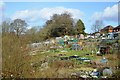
[106, 28]
[118, 27]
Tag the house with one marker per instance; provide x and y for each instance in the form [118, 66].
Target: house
[116, 29]
[110, 32]
[107, 29]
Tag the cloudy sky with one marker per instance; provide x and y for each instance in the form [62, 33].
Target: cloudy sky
[36, 13]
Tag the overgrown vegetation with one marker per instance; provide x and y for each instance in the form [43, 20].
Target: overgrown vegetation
[14, 56]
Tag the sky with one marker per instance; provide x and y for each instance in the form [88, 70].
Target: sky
[37, 13]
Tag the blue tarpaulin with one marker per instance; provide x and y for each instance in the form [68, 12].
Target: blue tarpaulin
[76, 47]
[104, 60]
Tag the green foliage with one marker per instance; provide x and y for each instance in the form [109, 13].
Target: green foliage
[80, 27]
[60, 25]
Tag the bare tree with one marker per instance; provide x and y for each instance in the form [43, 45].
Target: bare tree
[19, 26]
[98, 24]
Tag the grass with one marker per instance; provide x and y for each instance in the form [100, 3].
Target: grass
[62, 69]
[16, 59]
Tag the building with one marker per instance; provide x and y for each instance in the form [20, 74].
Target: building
[107, 29]
[110, 32]
[116, 29]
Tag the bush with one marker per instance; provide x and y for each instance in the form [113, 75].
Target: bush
[15, 61]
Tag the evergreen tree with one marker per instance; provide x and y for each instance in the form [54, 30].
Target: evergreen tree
[80, 27]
